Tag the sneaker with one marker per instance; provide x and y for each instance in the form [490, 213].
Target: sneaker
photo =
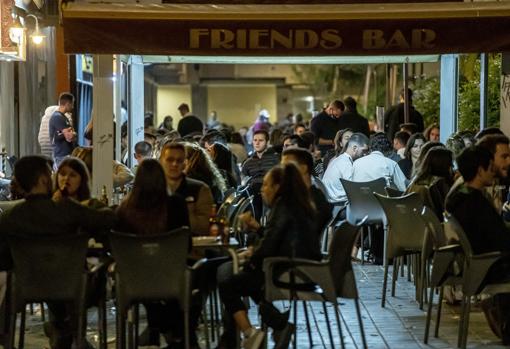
[254, 340]
[282, 337]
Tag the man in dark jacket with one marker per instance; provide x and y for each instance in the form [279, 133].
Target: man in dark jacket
[40, 215]
[394, 116]
[325, 125]
[350, 118]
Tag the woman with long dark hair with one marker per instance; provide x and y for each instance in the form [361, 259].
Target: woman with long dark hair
[434, 179]
[148, 209]
[290, 232]
[411, 154]
[222, 157]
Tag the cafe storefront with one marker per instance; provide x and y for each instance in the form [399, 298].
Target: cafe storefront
[182, 30]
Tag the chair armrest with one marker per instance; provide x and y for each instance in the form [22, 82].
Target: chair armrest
[198, 264]
[488, 255]
[270, 262]
[449, 248]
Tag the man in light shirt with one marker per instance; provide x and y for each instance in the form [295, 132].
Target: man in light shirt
[376, 165]
[342, 167]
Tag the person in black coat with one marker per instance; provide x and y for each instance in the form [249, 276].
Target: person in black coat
[290, 232]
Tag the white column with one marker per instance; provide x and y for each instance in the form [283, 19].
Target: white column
[449, 95]
[505, 94]
[102, 112]
[118, 107]
[135, 106]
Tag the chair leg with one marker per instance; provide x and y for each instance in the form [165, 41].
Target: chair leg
[136, 323]
[121, 330]
[21, 341]
[211, 313]
[360, 323]
[466, 323]
[408, 260]
[103, 332]
[12, 330]
[130, 343]
[429, 315]
[43, 314]
[186, 329]
[394, 275]
[461, 322]
[206, 330]
[362, 245]
[385, 284]
[339, 324]
[439, 307]
[308, 328]
[328, 324]
[294, 305]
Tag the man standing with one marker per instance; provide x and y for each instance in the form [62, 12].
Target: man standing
[352, 119]
[341, 167]
[197, 194]
[256, 167]
[325, 126]
[62, 134]
[394, 116]
[189, 124]
[44, 129]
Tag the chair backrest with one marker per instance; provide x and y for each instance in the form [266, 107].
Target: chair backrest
[453, 224]
[362, 202]
[48, 267]
[434, 226]
[151, 267]
[406, 231]
[227, 202]
[232, 208]
[392, 192]
[340, 261]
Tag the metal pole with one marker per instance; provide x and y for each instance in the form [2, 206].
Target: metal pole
[484, 82]
[406, 91]
[388, 101]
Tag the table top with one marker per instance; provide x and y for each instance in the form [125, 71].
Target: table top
[212, 241]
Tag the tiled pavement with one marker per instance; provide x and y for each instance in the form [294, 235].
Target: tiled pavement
[400, 325]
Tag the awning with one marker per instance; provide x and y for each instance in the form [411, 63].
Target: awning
[286, 30]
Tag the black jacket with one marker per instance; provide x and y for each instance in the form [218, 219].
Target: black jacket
[288, 233]
[356, 122]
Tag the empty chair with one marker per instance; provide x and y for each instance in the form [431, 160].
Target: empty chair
[442, 273]
[322, 281]
[405, 232]
[362, 203]
[47, 269]
[475, 270]
[151, 268]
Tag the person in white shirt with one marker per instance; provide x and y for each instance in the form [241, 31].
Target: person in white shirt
[376, 165]
[342, 167]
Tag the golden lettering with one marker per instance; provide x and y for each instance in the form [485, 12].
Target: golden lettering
[306, 38]
[423, 38]
[194, 37]
[222, 38]
[241, 38]
[373, 39]
[330, 39]
[255, 37]
[397, 40]
[277, 37]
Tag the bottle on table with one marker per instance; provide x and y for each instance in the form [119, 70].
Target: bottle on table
[104, 196]
[214, 228]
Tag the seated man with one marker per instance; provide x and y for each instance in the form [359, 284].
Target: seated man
[40, 215]
[341, 167]
[377, 165]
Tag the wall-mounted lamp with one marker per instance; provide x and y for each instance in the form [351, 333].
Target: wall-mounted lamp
[37, 36]
[16, 31]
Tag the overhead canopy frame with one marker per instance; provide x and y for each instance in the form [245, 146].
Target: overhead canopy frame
[286, 30]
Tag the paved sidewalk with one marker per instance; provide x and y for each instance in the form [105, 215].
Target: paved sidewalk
[400, 325]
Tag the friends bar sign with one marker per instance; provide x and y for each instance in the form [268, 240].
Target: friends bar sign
[282, 38]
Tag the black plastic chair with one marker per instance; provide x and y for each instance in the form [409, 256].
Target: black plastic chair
[392, 192]
[150, 268]
[475, 270]
[405, 234]
[363, 205]
[47, 269]
[322, 281]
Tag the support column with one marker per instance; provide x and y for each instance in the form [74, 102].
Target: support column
[102, 111]
[505, 93]
[118, 107]
[199, 102]
[449, 95]
[135, 106]
[484, 85]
